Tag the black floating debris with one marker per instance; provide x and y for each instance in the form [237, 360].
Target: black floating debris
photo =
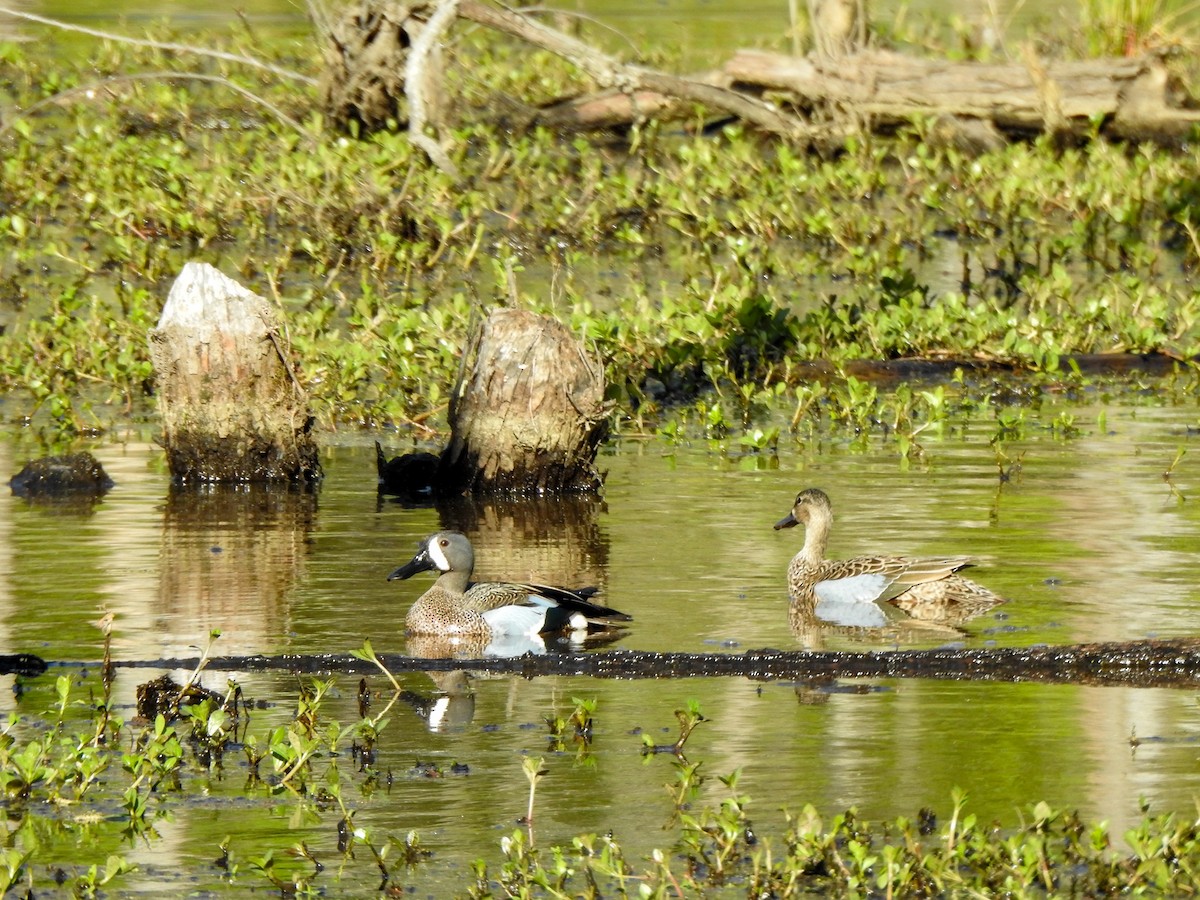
[76, 473]
[410, 477]
[21, 664]
[1171, 662]
[165, 696]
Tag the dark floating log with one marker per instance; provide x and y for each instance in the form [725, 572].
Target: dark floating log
[528, 417]
[231, 408]
[1160, 663]
[76, 473]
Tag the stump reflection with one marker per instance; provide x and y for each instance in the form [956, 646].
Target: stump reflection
[230, 555]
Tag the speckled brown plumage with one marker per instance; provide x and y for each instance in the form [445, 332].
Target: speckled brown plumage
[454, 606]
[928, 589]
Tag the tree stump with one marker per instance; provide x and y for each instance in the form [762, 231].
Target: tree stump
[231, 408]
[363, 79]
[839, 27]
[528, 418]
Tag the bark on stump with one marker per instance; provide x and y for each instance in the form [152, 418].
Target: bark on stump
[231, 408]
[365, 65]
[528, 417]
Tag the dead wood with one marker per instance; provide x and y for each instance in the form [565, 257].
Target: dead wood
[1126, 98]
[838, 26]
[231, 408]
[1158, 663]
[367, 63]
[528, 416]
[611, 74]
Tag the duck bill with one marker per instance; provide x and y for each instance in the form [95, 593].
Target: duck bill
[419, 563]
[786, 522]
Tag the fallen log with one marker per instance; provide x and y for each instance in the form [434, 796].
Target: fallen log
[1149, 663]
[1123, 98]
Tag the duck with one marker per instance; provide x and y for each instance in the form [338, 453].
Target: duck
[457, 607]
[927, 589]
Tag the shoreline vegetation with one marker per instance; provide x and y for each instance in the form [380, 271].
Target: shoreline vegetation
[112, 780]
[712, 268]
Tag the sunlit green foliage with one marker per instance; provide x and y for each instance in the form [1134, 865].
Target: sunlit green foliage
[712, 272]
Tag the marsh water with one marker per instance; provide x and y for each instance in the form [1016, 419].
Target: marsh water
[1087, 540]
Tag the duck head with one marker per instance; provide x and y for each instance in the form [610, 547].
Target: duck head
[809, 502]
[446, 551]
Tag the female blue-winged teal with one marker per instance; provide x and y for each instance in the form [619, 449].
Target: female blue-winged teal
[926, 588]
[456, 606]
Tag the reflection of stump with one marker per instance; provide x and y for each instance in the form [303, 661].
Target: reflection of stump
[231, 408]
[528, 417]
[365, 65]
[230, 559]
[544, 540]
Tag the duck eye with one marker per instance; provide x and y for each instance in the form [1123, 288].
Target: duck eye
[444, 543]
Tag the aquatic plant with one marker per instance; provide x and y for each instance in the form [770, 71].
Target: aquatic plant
[727, 290]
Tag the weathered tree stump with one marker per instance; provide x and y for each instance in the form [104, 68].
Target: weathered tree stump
[528, 417]
[838, 26]
[366, 61]
[231, 408]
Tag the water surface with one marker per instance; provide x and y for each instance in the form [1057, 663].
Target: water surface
[1088, 541]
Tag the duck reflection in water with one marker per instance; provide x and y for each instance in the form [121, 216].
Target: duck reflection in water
[874, 591]
[451, 705]
[458, 617]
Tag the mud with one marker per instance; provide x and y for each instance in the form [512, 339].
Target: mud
[1160, 663]
[61, 475]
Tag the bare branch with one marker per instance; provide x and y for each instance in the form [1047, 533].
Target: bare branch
[157, 45]
[611, 72]
[414, 83]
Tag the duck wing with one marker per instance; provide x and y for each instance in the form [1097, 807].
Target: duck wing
[490, 595]
[870, 579]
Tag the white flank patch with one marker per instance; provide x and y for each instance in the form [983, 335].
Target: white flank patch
[438, 557]
[579, 621]
[858, 589]
[437, 715]
[525, 620]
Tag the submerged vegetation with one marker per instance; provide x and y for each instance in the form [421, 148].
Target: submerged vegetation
[722, 276]
[114, 783]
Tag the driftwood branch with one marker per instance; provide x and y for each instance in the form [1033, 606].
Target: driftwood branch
[1126, 97]
[629, 80]
[159, 45]
[419, 54]
[1165, 663]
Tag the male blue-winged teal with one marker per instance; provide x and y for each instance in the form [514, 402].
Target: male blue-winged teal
[926, 588]
[456, 606]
